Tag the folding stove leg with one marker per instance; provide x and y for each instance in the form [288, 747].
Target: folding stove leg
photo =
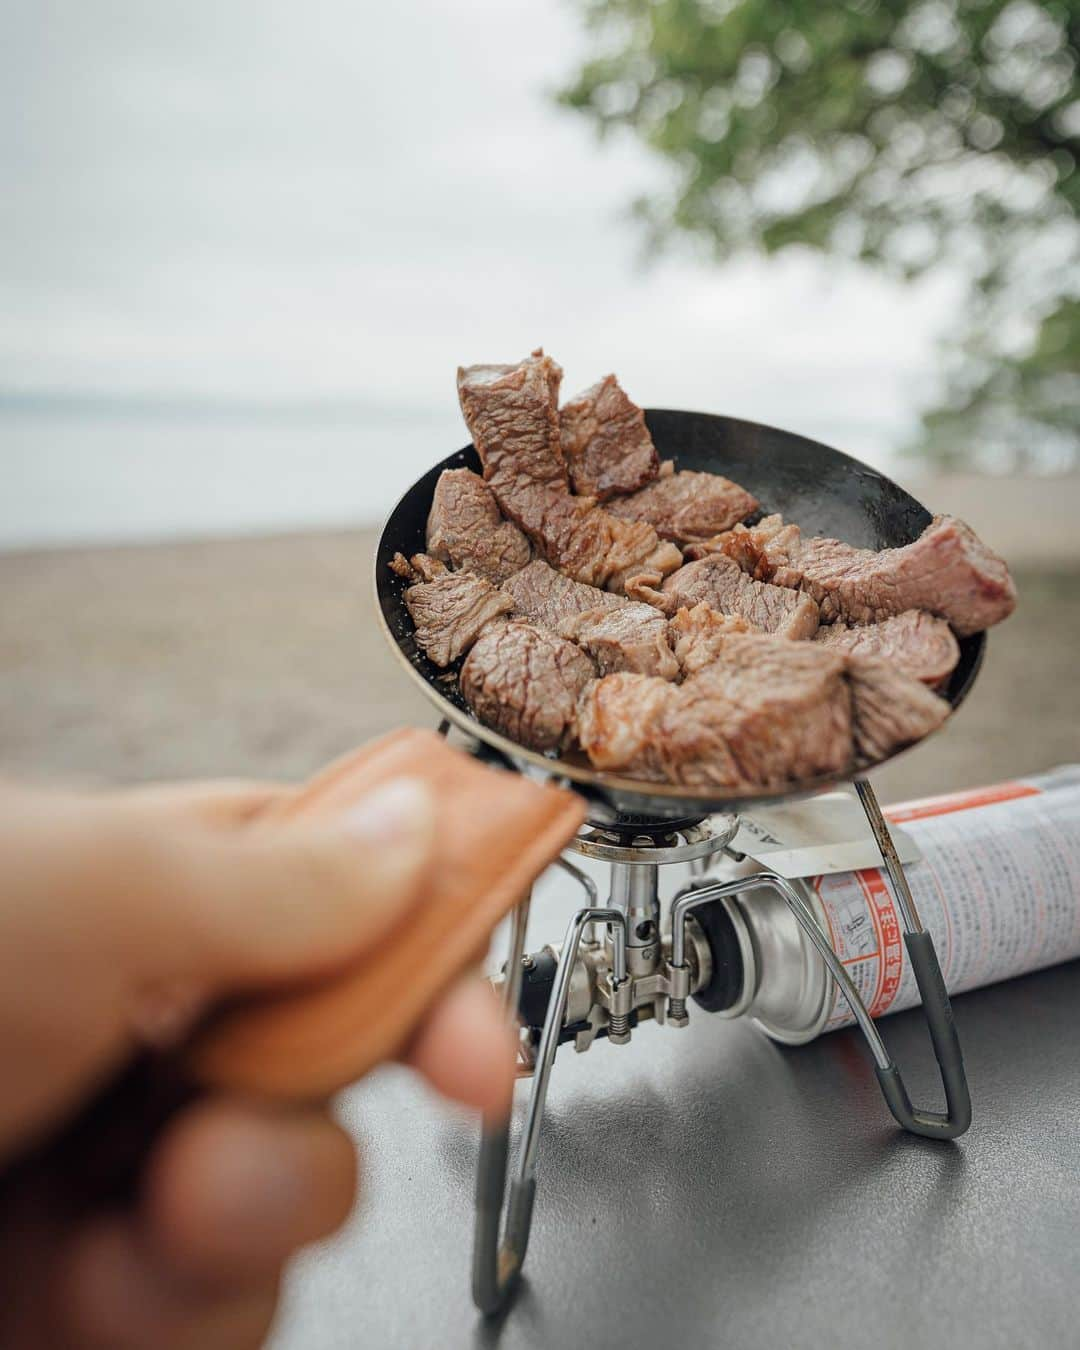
[924, 963]
[935, 999]
[496, 1266]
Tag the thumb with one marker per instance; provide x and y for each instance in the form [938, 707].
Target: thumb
[281, 900]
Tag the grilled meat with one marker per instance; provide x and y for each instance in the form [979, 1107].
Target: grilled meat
[891, 709]
[768, 712]
[698, 636]
[617, 634]
[721, 583]
[420, 567]
[915, 643]
[686, 506]
[605, 442]
[466, 529]
[548, 598]
[525, 682]
[512, 417]
[761, 714]
[632, 637]
[452, 611]
[947, 571]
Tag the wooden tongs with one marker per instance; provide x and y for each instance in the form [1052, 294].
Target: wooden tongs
[496, 832]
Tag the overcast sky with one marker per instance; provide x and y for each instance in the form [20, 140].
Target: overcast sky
[256, 199]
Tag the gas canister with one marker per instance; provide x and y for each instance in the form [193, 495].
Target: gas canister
[995, 873]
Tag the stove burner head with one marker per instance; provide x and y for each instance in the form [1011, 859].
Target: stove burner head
[644, 839]
[627, 828]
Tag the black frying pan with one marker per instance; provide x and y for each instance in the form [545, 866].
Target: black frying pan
[818, 488]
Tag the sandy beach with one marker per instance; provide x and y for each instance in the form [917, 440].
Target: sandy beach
[262, 658]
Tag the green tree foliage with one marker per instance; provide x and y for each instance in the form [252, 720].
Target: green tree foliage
[905, 133]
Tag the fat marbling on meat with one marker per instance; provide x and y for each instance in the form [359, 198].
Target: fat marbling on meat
[698, 635]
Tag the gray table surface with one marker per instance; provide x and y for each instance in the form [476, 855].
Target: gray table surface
[708, 1187]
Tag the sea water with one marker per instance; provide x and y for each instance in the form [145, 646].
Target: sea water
[73, 476]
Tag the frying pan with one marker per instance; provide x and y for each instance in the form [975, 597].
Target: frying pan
[816, 487]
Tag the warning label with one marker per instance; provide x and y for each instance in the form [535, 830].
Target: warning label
[997, 885]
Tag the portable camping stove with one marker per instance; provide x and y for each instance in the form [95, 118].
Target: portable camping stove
[618, 965]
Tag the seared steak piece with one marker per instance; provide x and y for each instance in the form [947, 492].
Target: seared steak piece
[591, 544]
[605, 442]
[623, 722]
[698, 636]
[947, 571]
[787, 712]
[525, 682]
[768, 713]
[722, 584]
[916, 643]
[511, 414]
[465, 528]
[891, 709]
[760, 714]
[548, 598]
[617, 634]
[630, 637]
[606, 551]
[686, 506]
[451, 611]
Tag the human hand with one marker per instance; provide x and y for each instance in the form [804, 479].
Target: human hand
[121, 917]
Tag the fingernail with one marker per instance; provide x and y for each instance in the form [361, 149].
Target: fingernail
[396, 813]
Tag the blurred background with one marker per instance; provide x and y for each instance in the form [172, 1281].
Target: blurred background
[245, 246]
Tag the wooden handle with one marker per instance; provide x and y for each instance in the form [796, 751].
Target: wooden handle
[496, 833]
